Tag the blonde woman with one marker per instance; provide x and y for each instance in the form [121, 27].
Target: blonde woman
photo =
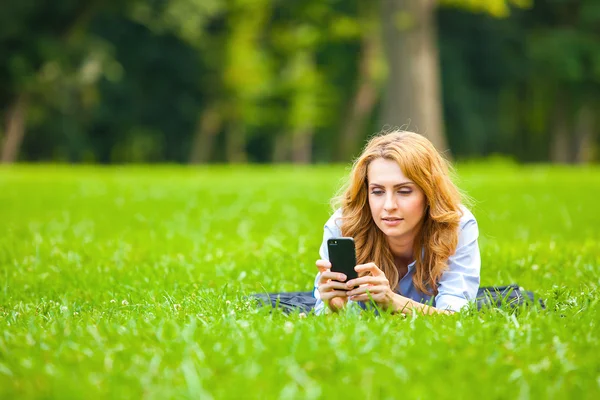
[416, 244]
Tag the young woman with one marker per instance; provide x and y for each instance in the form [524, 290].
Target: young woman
[415, 242]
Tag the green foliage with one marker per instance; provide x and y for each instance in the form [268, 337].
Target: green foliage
[105, 77]
[188, 18]
[130, 282]
[496, 8]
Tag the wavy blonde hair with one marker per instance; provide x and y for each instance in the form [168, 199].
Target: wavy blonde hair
[438, 232]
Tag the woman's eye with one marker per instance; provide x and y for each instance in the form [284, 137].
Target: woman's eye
[377, 192]
[405, 191]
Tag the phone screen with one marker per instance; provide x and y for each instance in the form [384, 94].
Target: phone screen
[342, 256]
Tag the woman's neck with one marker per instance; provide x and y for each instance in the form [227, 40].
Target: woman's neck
[402, 248]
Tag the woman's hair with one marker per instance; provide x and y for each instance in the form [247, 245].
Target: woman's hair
[437, 236]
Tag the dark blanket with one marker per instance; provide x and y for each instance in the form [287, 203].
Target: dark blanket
[491, 296]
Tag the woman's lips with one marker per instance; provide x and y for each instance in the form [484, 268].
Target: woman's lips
[392, 221]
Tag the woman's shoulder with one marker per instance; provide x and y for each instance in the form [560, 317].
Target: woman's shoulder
[468, 230]
[334, 223]
[467, 217]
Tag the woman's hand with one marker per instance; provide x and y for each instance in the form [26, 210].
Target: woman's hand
[331, 286]
[377, 286]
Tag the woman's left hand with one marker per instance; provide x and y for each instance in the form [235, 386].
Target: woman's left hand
[376, 284]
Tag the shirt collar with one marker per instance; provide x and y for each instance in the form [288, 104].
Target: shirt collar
[411, 266]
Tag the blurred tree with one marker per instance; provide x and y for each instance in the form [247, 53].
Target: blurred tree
[569, 79]
[58, 29]
[246, 72]
[15, 129]
[370, 75]
[273, 80]
[313, 89]
[149, 112]
[413, 96]
[202, 25]
[229, 36]
[48, 57]
[297, 34]
[481, 56]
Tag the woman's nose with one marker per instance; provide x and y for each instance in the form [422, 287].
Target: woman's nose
[390, 203]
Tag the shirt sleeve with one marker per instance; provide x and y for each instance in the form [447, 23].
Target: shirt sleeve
[330, 230]
[460, 283]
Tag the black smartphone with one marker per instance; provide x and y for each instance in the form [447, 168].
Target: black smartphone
[342, 256]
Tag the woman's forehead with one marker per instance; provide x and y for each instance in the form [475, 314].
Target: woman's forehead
[384, 172]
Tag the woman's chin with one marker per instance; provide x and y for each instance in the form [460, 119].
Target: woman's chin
[391, 231]
[394, 232]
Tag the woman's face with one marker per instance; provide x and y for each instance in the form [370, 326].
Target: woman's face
[397, 204]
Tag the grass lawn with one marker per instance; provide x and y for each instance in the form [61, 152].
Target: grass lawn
[128, 282]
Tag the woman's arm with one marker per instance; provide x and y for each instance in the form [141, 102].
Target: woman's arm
[459, 283]
[404, 305]
[376, 287]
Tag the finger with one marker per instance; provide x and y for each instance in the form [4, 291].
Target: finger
[332, 285]
[374, 269]
[333, 276]
[337, 303]
[336, 276]
[327, 296]
[373, 280]
[366, 289]
[377, 297]
[374, 292]
[323, 265]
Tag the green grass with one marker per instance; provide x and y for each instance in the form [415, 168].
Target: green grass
[130, 282]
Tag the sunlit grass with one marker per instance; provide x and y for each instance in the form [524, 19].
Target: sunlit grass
[131, 282]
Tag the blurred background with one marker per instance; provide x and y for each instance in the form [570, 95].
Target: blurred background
[296, 81]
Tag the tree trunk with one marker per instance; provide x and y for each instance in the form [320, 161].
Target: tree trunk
[15, 130]
[363, 101]
[281, 148]
[302, 145]
[208, 127]
[413, 100]
[584, 134]
[560, 144]
[236, 145]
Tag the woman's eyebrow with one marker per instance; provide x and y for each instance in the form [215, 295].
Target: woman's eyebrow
[396, 185]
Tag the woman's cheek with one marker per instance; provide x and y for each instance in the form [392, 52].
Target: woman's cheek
[414, 207]
[376, 205]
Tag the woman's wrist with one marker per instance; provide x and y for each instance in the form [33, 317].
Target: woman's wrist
[405, 305]
[399, 303]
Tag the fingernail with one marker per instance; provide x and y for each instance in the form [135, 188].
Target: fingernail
[342, 277]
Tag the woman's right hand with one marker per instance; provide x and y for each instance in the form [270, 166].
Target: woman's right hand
[331, 286]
